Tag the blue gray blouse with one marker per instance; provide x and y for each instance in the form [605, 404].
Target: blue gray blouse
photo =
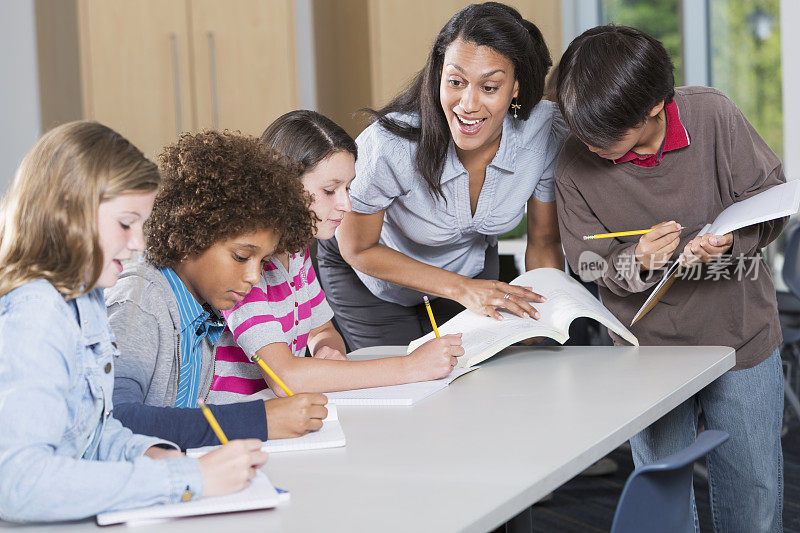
[62, 453]
[443, 233]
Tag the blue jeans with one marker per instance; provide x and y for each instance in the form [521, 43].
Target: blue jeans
[745, 474]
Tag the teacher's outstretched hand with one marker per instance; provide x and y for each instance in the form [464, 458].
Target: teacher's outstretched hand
[485, 297]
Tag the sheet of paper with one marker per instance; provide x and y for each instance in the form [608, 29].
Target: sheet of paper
[776, 202]
[331, 435]
[259, 495]
[407, 394]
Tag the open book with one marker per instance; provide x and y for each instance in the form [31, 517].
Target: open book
[776, 202]
[259, 495]
[330, 435]
[482, 336]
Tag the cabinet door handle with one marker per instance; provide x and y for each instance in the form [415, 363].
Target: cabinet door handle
[176, 74]
[212, 60]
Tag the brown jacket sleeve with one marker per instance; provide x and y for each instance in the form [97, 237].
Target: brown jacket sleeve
[754, 169]
[621, 274]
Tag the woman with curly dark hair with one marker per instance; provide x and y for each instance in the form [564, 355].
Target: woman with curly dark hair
[226, 205]
[286, 312]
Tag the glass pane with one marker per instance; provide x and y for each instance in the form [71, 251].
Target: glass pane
[659, 18]
[746, 62]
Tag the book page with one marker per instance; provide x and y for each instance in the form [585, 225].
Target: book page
[260, 494]
[776, 202]
[330, 435]
[567, 299]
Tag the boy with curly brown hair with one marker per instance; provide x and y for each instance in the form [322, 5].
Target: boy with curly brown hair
[225, 206]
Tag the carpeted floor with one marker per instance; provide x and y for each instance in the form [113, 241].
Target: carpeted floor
[588, 503]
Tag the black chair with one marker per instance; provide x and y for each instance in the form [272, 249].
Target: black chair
[656, 496]
[789, 313]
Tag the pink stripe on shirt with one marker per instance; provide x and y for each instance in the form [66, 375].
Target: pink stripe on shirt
[304, 311]
[232, 354]
[238, 385]
[300, 342]
[286, 323]
[275, 293]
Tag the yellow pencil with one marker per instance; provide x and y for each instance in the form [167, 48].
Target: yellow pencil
[257, 359]
[430, 315]
[617, 234]
[212, 421]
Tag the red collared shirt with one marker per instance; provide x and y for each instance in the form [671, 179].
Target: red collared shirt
[676, 137]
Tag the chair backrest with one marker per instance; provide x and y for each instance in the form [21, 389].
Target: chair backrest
[656, 496]
[791, 262]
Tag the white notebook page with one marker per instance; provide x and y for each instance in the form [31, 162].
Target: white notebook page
[259, 495]
[407, 394]
[331, 435]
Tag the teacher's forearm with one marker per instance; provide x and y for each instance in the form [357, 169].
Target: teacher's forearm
[382, 262]
[547, 255]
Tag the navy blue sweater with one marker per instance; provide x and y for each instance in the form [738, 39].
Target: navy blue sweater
[188, 428]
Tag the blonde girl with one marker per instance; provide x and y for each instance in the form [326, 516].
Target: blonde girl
[73, 214]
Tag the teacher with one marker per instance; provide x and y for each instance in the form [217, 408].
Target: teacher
[446, 167]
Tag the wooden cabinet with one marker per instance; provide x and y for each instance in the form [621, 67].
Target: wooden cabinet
[153, 68]
[135, 68]
[244, 62]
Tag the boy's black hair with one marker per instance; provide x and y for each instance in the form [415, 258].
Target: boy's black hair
[609, 79]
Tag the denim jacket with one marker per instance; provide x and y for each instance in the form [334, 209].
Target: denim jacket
[62, 454]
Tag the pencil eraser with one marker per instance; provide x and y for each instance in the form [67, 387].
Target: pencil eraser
[425, 298]
[585, 238]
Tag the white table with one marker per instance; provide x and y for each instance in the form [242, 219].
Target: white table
[477, 453]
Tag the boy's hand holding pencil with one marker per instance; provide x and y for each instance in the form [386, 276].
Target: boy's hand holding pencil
[656, 247]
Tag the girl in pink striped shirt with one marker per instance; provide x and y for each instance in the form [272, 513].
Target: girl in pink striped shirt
[286, 313]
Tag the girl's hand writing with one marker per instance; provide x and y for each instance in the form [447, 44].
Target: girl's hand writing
[436, 358]
[296, 415]
[230, 467]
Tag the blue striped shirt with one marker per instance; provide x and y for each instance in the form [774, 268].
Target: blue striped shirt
[444, 232]
[196, 324]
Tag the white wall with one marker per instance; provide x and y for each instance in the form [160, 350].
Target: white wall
[19, 86]
[304, 46]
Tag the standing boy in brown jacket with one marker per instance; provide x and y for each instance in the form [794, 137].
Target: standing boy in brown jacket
[644, 154]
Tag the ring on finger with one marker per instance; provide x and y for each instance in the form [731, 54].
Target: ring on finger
[507, 296]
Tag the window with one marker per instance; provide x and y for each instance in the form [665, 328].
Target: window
[746, 62]
[659, 18]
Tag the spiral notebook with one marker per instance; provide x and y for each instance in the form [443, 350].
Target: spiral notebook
[330, 435]
[259, 495]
